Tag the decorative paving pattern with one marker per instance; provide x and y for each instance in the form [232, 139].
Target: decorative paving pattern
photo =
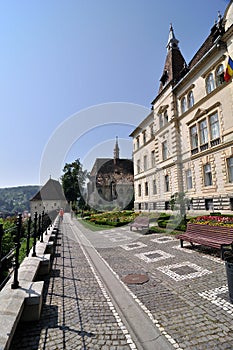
[183, 271]
[120, 238]
[218, 297]
[178, 247]
[132, 246]
[154, 256]
[213, 258]
[163, 239]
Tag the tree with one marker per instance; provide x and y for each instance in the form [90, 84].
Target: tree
[73, 181]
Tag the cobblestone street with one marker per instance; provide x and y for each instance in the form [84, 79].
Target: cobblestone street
[186, 297]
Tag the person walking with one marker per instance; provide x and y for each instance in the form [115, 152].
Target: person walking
[61, 213]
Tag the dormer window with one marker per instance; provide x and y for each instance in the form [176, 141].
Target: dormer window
[183, 105]
[164, 77]
[219, 75]
[190, 99]
[210, 85]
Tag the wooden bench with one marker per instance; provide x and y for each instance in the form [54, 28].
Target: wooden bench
[140, 222]
[210, 236]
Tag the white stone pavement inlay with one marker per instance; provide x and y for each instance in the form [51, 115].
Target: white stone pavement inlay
[183, 271]
[163, 239]
[118, 239]
[178, 247]
[214, 297]
[154, 256]
[135, 245]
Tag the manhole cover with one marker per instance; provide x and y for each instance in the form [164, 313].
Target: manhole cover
[135, 279]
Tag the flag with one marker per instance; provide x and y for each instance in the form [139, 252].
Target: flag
[229, 70]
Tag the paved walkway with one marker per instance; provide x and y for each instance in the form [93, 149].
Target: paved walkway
[185, 302]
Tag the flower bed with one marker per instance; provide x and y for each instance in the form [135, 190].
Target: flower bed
[226, 221]
[112, 218]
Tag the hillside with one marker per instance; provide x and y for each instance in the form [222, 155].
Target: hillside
[15, 199]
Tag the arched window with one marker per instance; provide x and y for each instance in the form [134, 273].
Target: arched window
[190, 99]
[210, 83]
[183, 105]
[219, 75]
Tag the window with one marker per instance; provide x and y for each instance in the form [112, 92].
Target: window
[151, 130]
[189, 180]
[152, 159]
[194, 137]
[154, 187]
[164, 150]
[208, 132]
[190, 99]
[214, 126]
[160, 120]
[230, 169]
[219, 75]
[203, 134]
[167, 185]
[209, 205]
[183, 105]
[210, 83]
[144, 137]
[165, 117]
[146, 189]
[138, 166]
[138, 142]
[145, 162]
[139, 190]
[207, 175]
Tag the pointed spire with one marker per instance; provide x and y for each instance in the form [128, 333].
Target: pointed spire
[116, 151]
[172, 41]
[174, 63]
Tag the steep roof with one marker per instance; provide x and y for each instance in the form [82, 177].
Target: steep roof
[52, 190]
[98, 164]
[174, 63]
[216, 32]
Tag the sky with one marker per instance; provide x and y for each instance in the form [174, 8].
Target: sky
[75, 74]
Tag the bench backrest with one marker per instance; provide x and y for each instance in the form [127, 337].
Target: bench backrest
[142, 220]
[199, 229]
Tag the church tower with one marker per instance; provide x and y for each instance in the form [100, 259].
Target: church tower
[116, 151]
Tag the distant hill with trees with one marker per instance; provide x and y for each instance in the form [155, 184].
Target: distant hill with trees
[16, 199]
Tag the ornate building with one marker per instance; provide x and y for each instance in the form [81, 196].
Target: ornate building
[185, 144]
[111, 182]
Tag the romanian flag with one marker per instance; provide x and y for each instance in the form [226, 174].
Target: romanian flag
[229, 70]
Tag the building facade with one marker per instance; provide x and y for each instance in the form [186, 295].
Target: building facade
[185, 145]
[48, 199]
[111, 182]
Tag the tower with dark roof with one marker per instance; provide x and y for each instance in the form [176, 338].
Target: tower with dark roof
[174, 62]
[116, 152]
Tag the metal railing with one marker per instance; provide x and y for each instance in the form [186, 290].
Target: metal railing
[35, 230]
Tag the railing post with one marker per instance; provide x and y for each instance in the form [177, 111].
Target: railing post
[42, 227]
[15, 283]
[39, 227]
[1, 236]
[34, 235]
[28, 234]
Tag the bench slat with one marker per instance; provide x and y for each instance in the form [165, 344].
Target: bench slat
[211, 236]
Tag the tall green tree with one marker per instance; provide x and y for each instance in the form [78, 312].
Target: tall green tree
[73, 181]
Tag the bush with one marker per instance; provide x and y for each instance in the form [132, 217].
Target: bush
[156, 229]
[113, 218]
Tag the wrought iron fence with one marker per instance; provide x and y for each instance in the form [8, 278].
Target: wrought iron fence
[24, 236]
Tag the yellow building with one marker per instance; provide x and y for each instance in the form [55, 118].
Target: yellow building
[185, 144]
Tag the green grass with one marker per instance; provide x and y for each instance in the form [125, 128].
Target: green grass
[95, 227]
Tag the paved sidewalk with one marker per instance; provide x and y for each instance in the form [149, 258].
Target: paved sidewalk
[77, 312]
[186, 297]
